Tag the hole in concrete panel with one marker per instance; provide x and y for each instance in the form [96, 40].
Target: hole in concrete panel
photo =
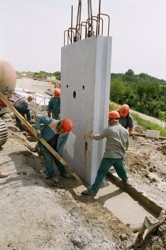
[67, 86]
[74, 94]
[83, 87]
[86, 146]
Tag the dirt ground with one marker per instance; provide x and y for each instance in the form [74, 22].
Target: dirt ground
[146, 164]
[35, 215]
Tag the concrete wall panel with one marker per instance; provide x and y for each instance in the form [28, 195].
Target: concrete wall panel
[85, 71]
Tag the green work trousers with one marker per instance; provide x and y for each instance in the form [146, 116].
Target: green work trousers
[105, 165]
[24, 112]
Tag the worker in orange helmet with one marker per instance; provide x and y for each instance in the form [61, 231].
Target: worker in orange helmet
[126, 120]
[56, 133]
[117, 141]
[54, 104]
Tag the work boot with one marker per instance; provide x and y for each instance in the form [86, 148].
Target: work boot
[126, 183]
[88, 192]
[66, 175]
[54, 179]
[3, 175]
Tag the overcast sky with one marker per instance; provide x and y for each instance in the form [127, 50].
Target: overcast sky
[32, 33]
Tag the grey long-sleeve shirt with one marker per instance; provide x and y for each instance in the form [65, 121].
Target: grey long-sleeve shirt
[21, 103]
[117, 141]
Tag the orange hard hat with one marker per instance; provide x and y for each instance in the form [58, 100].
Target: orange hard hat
[57, 92]
[113, 115]
[124, 110]
[67, 124]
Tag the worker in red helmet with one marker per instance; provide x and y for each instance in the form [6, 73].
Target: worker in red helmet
[54, 104]
[56, 133]
[117, 141]
[126, 120]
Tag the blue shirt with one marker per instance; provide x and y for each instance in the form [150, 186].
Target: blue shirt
[47, 133]
[54, 107]
[127, 122]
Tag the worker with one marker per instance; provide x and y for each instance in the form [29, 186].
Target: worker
[117, 140]
[126, 120]
[22, 106]
[56, 133]
[3, 175]
[54, 105]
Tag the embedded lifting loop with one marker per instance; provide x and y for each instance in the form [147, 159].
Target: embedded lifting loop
[78, 22]
[90, 20]
[93, 26]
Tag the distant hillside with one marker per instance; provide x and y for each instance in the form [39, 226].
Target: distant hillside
[130, 77]
[42, 75]
[142, 92]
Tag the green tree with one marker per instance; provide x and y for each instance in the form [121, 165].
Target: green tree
[117, 91]
[129, 76]
[57, 74]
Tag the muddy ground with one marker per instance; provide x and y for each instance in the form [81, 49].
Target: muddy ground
[35, 215]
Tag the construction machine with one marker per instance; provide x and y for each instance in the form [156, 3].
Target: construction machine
[7, 87]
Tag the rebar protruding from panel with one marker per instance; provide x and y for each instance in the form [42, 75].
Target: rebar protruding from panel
[98, 25]
[71, 21]
[78, 22]
[98, 21]
[90, 20]
[75, 34]
[83, 24]
[70, 35]
[94, 18]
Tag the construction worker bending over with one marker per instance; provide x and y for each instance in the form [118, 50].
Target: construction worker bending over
[56, 133]
[126, 120]
[54, 104]
[22, 106]
[117, 141]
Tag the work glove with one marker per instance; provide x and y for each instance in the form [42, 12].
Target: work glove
[49, 114]
[91, 136]
[39, 135]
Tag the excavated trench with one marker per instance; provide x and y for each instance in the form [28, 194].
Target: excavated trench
[128, 204]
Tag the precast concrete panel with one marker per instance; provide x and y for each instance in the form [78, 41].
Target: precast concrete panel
[85, 77]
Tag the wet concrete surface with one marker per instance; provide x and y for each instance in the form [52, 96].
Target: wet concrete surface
[122, 205]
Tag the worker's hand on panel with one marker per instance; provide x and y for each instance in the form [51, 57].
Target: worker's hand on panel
[91, 136]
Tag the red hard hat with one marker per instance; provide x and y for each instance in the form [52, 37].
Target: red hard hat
[67, 124]
[124, 110]
[57, 92]
[113, 115]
